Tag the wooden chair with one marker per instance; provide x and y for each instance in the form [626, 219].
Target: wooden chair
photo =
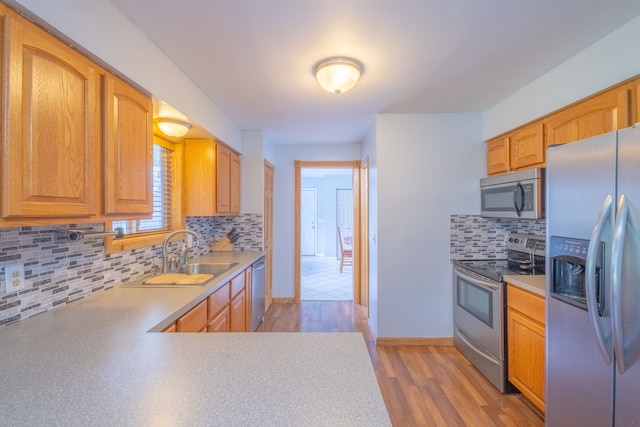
[346, 250]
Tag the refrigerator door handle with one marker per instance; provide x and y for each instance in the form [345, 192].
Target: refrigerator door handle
[590, 274]
[617, 249]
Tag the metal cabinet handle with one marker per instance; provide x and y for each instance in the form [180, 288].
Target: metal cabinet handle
[604, 216]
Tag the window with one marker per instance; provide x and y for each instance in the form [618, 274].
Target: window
[166, 203]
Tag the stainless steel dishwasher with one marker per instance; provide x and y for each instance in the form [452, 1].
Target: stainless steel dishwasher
[257, 293]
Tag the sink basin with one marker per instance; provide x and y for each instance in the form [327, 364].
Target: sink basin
[208, 268]
[181, 277]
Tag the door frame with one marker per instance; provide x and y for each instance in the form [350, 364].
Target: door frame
[355, 166]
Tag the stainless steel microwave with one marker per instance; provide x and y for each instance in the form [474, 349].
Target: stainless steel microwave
[513, 195]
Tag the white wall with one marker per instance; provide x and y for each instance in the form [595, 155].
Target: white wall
[429, 166]
[611, 60]
[284, 205]
[102, 29]
[252, 172]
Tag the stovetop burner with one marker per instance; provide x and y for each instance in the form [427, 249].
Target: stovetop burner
[525, 256]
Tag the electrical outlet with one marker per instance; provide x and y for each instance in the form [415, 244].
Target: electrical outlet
[14, 278]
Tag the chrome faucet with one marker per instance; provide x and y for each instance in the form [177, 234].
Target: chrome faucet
[165, 261]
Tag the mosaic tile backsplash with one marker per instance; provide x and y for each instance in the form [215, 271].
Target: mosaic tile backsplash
[475, 237]
[58, 271]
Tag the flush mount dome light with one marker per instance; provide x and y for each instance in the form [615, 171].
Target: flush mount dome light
[173, 127]
[338, 74]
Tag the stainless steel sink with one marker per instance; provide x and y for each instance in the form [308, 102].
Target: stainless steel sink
[205, 268]
[214, 269]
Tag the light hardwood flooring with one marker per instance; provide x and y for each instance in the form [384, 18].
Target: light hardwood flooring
[421, 386]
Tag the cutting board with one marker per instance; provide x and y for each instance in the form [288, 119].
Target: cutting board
[179, 279]
[165, 279]
[193, 279]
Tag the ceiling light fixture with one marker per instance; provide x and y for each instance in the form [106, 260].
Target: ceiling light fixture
[338, 74]
[173, 127]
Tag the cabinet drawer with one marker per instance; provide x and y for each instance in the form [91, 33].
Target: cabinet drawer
[526, 303]
[237, 284]
[218, 300]
[195, 320]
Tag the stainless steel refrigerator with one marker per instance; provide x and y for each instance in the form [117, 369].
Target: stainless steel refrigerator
[593, 282]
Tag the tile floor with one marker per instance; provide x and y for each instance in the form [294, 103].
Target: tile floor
[321, 279]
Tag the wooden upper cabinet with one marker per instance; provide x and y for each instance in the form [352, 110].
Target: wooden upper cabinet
[223, 171]
[635, 118]
[199, 177]
[498, 155]
[527, 147]
[234, 183]
[212, 179]
[128, 149]
[52, 97]
[606, 112]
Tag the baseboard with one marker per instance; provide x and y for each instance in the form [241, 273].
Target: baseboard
[283, 300]
[433, 342]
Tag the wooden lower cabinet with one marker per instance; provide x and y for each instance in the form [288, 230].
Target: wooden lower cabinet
[221, 322]
[218, 308]
[225, 310]
[195, 320]
[526, 343]
[238, 312]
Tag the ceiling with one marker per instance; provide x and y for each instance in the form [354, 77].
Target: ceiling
[253, 58]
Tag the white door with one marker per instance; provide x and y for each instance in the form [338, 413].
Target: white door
[308, 221]
[344, 213]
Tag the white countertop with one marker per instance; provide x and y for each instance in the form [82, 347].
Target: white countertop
[93, 362]
[531, 283]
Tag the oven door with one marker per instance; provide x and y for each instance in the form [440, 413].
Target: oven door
[477, 311]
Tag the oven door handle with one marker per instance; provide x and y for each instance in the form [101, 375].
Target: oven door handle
[480, 352]
[594, 311]
[479, 282]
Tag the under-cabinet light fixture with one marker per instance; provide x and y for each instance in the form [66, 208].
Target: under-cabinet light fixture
[173, 127]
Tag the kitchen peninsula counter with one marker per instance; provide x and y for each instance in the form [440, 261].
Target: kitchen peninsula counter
[94, 362]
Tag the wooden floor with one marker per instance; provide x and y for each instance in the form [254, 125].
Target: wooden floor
[421, 386]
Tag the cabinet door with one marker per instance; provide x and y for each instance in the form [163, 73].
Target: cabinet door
[52, 137]
[238, 313]
[223, 170]
[498, 155]
[221, 322]
[527, 147]
[200, 177]
[128, 149]
[195, 320]
[237, 284]
[526, 364]
[234, 183]
[609, 111]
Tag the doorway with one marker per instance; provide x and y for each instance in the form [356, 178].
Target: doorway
[337, 202]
